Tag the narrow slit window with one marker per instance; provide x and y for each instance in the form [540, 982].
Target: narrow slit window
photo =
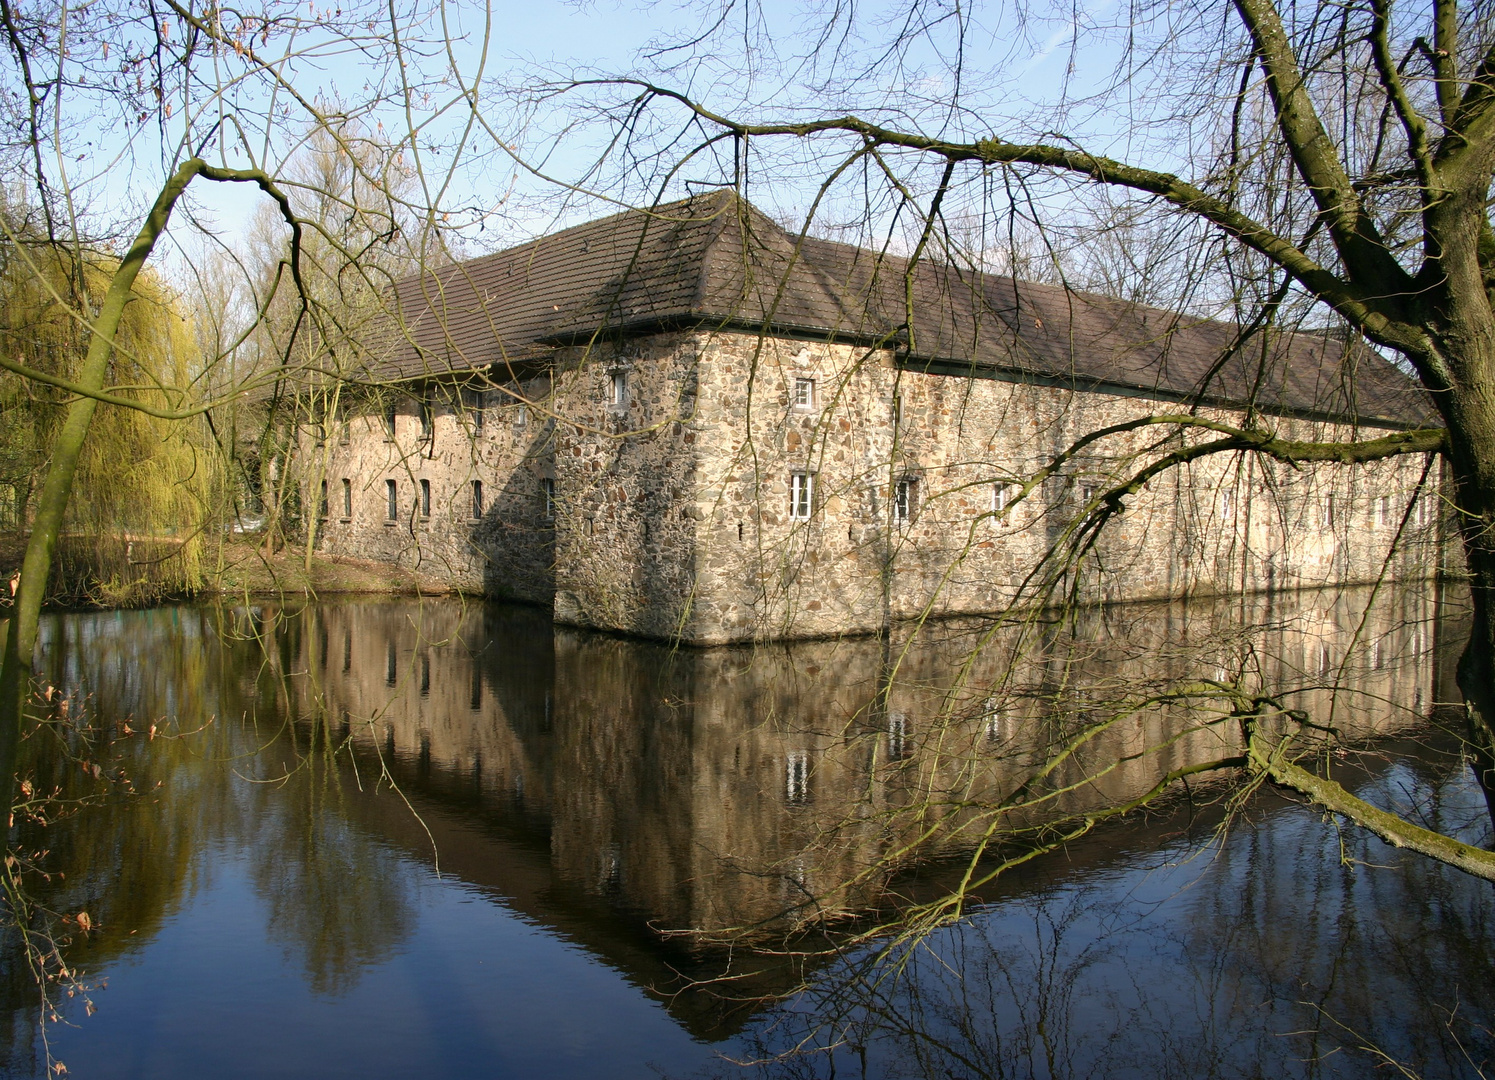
[547, 490]
[425, 498]
[804, 394]
[427, 413]
[391, 491]
[477, 404]
[1000, 499]
[1227, 506]
[1382, 511]
[801, 495]
[897, 410]
[617, 389]
[903, 500]
[1326, 512]
[347, 498]
[477, 498]
[390, 414]
[322, 509]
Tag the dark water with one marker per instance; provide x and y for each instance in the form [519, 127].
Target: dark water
[428, 838]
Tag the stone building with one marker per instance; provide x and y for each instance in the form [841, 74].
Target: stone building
[689, 423]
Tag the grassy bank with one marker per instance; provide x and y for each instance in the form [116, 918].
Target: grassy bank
[85, 572]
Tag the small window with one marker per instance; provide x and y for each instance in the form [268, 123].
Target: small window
[392, 492]
[425, 498]
[1326, 512]
[547, 489]
[427, 415]
[1087, 494]
[1382, 511]
[900, 745]
[897, 410]
[322, 509]
[801, 495]
[391, 412]
[347, 498]
[1001, 499]
[477, 498]
[804, 394]
[617, 389]
[797, 776]
[903, 500]
[477, 408]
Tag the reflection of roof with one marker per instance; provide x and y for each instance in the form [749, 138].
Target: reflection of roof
[715, 261]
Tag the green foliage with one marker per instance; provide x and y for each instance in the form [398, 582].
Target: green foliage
[146, 488]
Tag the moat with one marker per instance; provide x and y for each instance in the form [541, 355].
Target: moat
[429, 838]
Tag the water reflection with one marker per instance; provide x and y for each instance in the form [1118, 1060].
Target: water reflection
[612, 791]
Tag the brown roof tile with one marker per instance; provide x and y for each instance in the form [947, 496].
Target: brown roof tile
[716, 261]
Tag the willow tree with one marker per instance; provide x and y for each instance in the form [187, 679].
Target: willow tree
[114, 116]
[140, 477]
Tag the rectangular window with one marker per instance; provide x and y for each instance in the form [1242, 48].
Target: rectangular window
[1001, 499]
[427, 416]
[897, 410]
[521, 418]
[322, 501]
[347, 498]
[390, 413]
[801, 495]
[477, 498]
[797, 775]
[425, 498]
[1382, 511]
[547, 489]
[804, 394]
[617, 389]
[392, 493]
[903, 500]
[477, 407]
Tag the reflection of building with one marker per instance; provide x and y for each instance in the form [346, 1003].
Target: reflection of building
[716, 790]
[691, 424]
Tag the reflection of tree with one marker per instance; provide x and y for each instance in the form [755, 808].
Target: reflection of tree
[1270, 957]
[338, 899]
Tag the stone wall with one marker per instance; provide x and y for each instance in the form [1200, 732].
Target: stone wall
[671, 463]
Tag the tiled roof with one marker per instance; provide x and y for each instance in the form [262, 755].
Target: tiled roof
[716, 261]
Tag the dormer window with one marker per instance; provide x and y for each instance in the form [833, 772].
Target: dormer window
[804, 394]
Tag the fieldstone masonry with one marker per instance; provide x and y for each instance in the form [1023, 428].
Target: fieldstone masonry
[721, 486]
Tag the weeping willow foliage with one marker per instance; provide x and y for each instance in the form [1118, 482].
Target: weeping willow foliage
[146, 488]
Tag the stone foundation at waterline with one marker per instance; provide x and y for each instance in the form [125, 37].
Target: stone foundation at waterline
[719, 486]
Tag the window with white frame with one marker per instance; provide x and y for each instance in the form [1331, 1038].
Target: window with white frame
[903, 499]
[801, 495]
[1001, 500]
[804, 394]
[391, 412]
[425, 498]
[899, 733]
[547, 490]
[347, 498]
[797, 775]
[391, 492]
[1326, 512]
[617, 390]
